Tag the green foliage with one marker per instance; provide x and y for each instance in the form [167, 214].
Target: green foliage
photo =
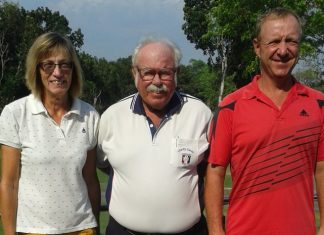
[106, 82]
[209, 22]
[18, 30]
[199, 79]
[310, 77]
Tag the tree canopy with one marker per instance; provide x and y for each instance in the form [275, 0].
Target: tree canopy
[105, 82]
[225, 28]
[212, 25]
[18, 29]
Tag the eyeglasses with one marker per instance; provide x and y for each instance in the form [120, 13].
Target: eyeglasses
[49, 66]
[148, 74]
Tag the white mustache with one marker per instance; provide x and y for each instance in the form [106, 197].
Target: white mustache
[154, 88]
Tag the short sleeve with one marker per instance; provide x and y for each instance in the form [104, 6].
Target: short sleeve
[96, 119]
[9, 128]
[320, 155]
[103, 136]
[221, 137]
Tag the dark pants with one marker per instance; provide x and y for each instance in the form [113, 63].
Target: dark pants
[114, 228]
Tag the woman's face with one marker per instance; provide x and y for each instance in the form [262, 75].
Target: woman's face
[56, 74]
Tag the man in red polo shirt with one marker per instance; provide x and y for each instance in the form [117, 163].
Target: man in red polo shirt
[271, 133]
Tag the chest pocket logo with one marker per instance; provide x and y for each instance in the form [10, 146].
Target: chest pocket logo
[184, 152]
[186, 158]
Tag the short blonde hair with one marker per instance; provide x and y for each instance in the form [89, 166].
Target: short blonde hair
[276, 13]
[44, 46]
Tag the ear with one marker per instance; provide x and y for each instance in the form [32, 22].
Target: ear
[133, 70]
[256, 46]
[135, 78]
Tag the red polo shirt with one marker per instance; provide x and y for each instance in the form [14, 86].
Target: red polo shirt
[272, 153]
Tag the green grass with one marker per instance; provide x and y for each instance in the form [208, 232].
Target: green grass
[104, 216]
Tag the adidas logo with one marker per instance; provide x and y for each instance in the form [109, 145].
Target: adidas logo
[303, 113]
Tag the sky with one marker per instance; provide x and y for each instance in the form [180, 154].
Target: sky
[112, 28]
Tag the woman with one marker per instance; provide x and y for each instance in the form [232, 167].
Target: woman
[49, 183]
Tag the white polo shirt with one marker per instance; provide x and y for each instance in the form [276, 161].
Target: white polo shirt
[52, 194]
[153, 186]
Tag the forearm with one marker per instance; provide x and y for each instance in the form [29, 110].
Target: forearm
[95, 198]
[90, 177]
[8, 207]
[214, 194]
[319, 176]
[10, 165]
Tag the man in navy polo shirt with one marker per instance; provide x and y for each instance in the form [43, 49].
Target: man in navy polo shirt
[154, 143]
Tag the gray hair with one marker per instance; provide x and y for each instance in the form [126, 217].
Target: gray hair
[176, 51]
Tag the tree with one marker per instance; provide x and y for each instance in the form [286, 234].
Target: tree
[224, 29]
[198, 79]
[310, 77]
[18, 30]
[106, 82]
[3, 55]
[10, 35]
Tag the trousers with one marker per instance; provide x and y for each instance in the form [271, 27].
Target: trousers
[114, 228]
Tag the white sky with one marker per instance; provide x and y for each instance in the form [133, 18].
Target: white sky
[112, 28]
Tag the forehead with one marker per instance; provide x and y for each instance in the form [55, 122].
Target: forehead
[58, 52]
[280, 27]
[155, 55]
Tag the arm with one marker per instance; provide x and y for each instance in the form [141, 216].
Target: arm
[214, 194]
[90, 176]
[319, 177]
[9, 188]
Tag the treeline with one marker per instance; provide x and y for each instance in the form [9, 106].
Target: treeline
[105, 81]
[224, 30]
[108, 81]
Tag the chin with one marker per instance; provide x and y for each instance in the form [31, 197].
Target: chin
[282, 73]
[157, 106]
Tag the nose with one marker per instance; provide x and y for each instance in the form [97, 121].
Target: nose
[157, 79]
[57, 70]
[282, 49]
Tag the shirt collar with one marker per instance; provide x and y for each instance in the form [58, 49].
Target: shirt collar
[173, 106]
[37, 106]
[252, 89]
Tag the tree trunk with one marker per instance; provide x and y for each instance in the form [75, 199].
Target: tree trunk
[224, 70]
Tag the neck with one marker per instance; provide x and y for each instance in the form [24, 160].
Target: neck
[154, 114]
[56, 106]
[276, 89]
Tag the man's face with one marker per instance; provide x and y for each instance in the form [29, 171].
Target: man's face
[154, 75]
[277, 47]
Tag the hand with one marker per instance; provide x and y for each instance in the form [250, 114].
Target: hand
[320, 231]
[222, 233]
[97, 229]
